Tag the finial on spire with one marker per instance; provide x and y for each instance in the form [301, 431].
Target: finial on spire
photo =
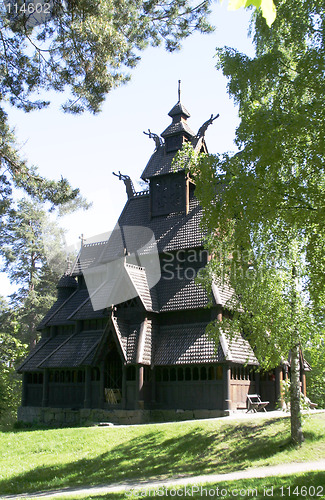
[68, 266]
[82, 240]
[179, 90]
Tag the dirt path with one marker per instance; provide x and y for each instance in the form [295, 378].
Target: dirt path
[274, 470]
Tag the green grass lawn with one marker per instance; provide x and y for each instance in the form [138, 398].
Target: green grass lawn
[39, 460]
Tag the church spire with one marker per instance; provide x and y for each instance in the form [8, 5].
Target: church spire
[178, 131]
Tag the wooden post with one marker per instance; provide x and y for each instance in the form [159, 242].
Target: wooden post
[45, 400]
[226, 388]
[24, 390]
[101, 384]
[87, 400]
[123, 401]
[140, 387]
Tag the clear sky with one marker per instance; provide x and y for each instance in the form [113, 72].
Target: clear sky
[87, 149]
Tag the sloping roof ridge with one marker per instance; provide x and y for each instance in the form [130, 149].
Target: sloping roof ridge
[37, 348]
[225, 346]
[135, 285]
[117, 333]
[128, 201]
[94, 346]
[105, 333]
[60, 307]
[218, 288]
[86, 300]
[95, 243]
[59, 347]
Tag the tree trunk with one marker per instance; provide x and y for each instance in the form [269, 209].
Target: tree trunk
[296, 429]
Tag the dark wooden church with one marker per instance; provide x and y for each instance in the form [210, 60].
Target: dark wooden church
[134, 347]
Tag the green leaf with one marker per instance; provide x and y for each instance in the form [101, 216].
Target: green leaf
[267, 7]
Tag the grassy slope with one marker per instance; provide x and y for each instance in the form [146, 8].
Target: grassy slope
[36, 460]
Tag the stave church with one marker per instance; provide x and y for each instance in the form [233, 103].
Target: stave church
[125, 341]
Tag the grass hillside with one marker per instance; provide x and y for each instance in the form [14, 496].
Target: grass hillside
[39, 460]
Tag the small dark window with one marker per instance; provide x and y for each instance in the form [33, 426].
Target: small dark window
[173, 374]
[62, 377]
[203, 373]
[40, 378]
[195, 373]
[211, 373]
[188, 373]
[68, 376]
[219, 372]
[180, 373]
[165, 375]
[57, 376]
[80, 376]
[158, 374]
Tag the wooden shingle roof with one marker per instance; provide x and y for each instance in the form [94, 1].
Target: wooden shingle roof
[185, 344]
[189, 344]
[237, 349]
[63, 350]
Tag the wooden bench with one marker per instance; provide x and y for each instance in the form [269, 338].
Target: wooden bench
[255, 404]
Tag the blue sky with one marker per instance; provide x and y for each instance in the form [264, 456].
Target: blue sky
[87, 149]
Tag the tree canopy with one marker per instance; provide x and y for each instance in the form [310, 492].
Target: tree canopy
[33, 258]
[264, 204]
[85, 49]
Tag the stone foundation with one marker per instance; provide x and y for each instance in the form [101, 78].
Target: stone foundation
[65, 416]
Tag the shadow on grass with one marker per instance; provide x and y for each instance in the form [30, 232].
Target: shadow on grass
[156, 455]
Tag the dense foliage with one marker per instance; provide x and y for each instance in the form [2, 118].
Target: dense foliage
[34, 259]
[264, 204]
[85, 48]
